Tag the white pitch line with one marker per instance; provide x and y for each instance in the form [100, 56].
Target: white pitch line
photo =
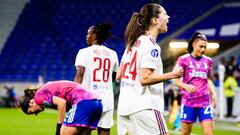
[178, 133]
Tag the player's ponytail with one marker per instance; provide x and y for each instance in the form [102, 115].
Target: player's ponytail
[140, 22]
[24, 101]
[134, 29]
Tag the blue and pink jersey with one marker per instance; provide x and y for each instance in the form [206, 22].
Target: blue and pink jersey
[70, 91]
[196, 73]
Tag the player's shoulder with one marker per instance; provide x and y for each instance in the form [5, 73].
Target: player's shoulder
[147, 43]
[84, 49]
[184, 58]
[109, 49]
[113, 52]
[206, 57]
[148, 40]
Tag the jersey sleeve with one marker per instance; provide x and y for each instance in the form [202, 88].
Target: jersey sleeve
[116, 65]
[180, 62]
[150, 57]
[210, 64]
[80, 59]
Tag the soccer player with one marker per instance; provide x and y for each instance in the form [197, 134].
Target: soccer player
[96, 69]
[196, 93]
[85, 106]
[140, 105]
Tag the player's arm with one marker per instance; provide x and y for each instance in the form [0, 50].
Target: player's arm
[182, 85]
[178, 81]
[212, 89]
[213, 94]
[61, 106]
[79, 74]
[148, 77]
[119, 73]
[149, 62]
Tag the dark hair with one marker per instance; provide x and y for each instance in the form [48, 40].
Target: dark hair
[196, 35]
[140, 22]
[102, 31]
[24, 101]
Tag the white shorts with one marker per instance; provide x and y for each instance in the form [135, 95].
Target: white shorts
[145, 122]
[106, 120]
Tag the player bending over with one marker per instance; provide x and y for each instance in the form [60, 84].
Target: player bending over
[83, 105]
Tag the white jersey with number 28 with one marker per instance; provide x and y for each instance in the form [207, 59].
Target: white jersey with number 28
[99, 62]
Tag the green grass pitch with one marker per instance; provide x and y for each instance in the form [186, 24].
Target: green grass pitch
[14, 122]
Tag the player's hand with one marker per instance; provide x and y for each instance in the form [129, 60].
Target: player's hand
[190, 88]
[177, 71]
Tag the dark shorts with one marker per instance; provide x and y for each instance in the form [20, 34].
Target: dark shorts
[86, 113]
[189, 114]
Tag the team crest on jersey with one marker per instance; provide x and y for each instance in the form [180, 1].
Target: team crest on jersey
[191, 64]
[154, 53]
[205, 65]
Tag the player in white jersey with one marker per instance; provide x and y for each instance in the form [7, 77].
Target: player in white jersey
[140, 103]
[96, 69]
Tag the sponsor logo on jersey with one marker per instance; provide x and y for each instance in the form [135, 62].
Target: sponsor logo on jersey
[126, 84]
[200, 74]
[95, 87]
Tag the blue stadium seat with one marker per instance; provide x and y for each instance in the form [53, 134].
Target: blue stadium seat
[48, 34]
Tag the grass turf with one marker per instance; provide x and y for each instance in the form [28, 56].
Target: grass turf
[14, 122]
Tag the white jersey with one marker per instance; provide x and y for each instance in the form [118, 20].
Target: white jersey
[133, 96]
[99, 62]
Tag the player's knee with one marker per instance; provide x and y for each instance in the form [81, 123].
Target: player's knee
[185, 131]
[68, 131]
[208, 131]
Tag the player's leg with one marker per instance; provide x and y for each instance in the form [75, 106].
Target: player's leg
[188, 117]
[208, 127]
[105, 123]
[206, 119]
[75, 131]
[68, 130]
[125, 126]
[82, 117]
[86, 131]
[149, 122]
[186, 128]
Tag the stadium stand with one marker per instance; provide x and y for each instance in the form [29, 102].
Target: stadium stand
[48, 34]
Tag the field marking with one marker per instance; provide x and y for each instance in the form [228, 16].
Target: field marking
[179, 132]
[228, 128]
